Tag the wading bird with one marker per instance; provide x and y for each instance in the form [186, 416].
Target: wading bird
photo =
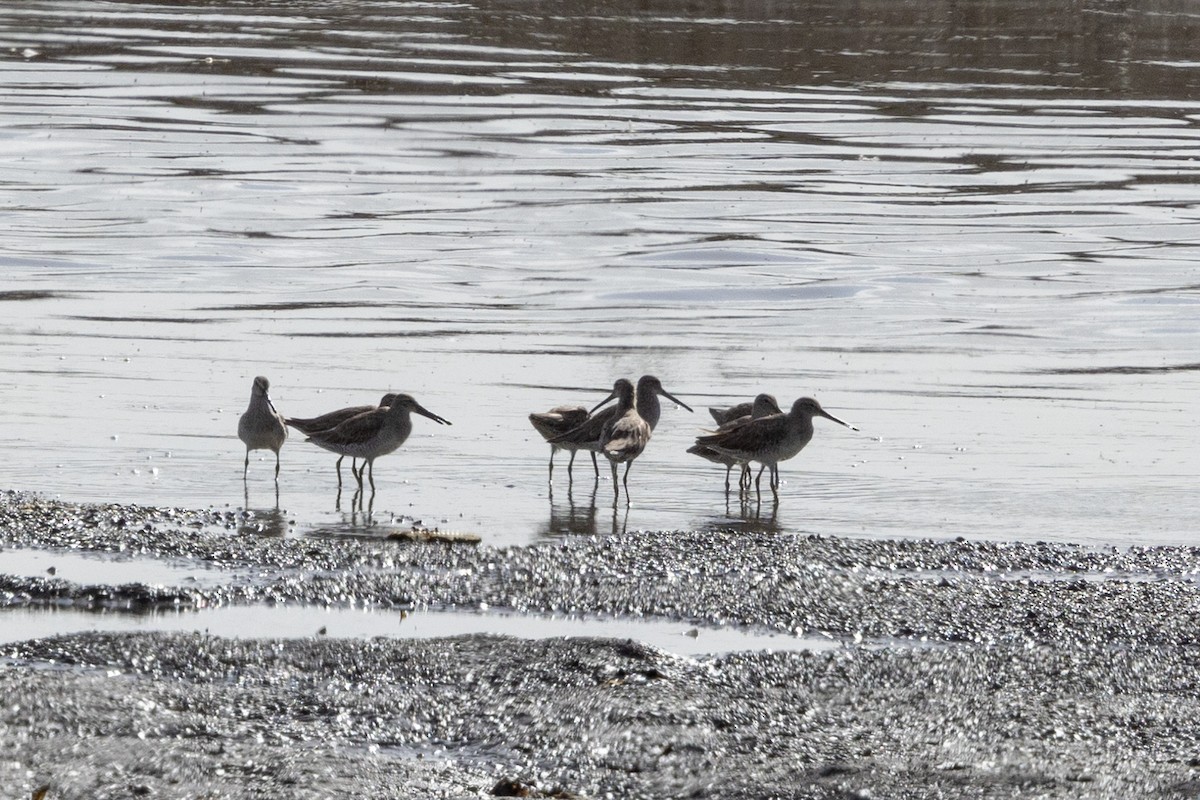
[324, 422]
[589, 435]
[764, 405]
[373, 434]
[261, 427]
[771, 439]
[556, 422]
[625, 437]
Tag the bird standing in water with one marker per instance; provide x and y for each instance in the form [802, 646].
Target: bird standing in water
[764, 405]
[770, 439]
[332, 419]
[625, 436]
[554, 423]
[373, 434]
[589, 435]
[261, 427]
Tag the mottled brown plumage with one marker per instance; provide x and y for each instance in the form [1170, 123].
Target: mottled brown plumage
[373, 434]
[556, 422]
[625, 437]
[324, 422]
[763, 405]
[770, 439]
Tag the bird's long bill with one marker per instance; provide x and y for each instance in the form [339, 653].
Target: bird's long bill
[270, 404]
[425, 412]
[827, 415]
[603, 402]
[675, 400]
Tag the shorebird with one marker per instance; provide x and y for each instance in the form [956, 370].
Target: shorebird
[261, 427]
[589, 435]
[556, 422]
[626, 434]
[373, 434]
[648, 408]
[770, 439]
[331, 420]
[764, 405]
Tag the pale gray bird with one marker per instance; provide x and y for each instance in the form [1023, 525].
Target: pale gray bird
[261, 427]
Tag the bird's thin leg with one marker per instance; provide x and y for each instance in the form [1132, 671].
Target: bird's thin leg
[551, 463]
[246, 466]
[775, 479]
[625, 480]
[728, 469]
[339, 471]
[758, 480]
[371, 474]
[277, 466]
[616, 486]
[595, 466]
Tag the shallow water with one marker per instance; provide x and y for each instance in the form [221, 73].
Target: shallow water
[88, 568]
[290, 622]
[970, 230]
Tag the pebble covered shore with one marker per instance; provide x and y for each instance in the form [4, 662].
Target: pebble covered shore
[970, 669]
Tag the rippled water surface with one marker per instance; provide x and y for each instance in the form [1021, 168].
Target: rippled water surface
[971, 229]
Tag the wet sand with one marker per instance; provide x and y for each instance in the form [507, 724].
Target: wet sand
[969, 669]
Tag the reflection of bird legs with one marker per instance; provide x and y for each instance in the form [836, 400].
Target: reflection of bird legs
[624, 520]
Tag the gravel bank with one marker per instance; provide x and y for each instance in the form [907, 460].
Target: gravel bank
[985, 670]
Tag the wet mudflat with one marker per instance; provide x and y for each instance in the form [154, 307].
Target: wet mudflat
[966, 669]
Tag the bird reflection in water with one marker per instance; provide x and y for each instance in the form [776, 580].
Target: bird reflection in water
[360, 503]
[571, 518]
[750, 513]
[270, 522]
[581, 517]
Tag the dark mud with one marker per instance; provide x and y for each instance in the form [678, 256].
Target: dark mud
[1016, 669]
